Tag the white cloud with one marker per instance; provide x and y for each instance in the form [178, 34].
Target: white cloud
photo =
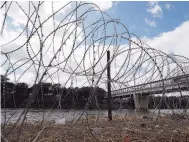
[150, 23]
[69, 64]
[175, 41]
[172, 41]
[152, 3]
[167, 6]
[103, 5]
[155, 9]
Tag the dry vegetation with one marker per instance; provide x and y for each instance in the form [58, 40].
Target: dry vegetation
[131, 128]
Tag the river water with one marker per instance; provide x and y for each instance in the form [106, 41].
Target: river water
[62, 116]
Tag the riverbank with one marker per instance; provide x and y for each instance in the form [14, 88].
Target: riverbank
[130, 128]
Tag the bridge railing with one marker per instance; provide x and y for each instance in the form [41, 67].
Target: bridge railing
[170, 81]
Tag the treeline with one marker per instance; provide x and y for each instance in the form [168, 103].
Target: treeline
[55, 96]
[171, 102]
[157, 102]
[50, 96]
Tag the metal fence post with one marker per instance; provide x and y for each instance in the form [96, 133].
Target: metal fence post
[109, 87]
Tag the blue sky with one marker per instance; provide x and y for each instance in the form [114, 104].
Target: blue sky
[133, 15]
[162, 25]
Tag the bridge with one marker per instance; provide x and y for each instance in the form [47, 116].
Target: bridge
[141, 92]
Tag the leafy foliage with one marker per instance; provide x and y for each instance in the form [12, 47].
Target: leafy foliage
[54, 96]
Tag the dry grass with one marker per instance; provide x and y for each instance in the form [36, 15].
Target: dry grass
[131, 128]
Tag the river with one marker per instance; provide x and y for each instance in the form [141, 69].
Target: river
[62, 116]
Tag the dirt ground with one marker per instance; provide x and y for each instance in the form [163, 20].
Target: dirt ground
[130, 128]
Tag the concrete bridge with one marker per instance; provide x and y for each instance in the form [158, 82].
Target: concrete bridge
[141, 92]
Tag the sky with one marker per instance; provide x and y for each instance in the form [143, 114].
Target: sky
[150, 19]
[163, 26]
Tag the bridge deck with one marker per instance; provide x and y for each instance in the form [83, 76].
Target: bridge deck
[173, 84]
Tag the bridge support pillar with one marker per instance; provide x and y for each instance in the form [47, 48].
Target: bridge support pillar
[141, 103]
